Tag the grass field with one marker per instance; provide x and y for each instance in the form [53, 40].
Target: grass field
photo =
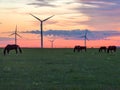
[60, 69]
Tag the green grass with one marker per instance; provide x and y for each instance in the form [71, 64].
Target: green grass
[60, 69]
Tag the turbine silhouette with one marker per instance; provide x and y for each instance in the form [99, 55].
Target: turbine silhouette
[85, 37]
[52, 41]
[41, 26]
[16, 34]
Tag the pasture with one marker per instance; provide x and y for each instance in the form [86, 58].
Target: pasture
[59, 69]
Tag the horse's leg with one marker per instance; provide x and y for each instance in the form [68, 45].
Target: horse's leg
[74, 49]
[20, 50]
[4, 51]
[8, 51]
[107, 50]
[99, 50]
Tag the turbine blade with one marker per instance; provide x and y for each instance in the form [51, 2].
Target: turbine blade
[19, 35]
[35, 17]
[11, 34]
[87, 39]
[48, 18]
[82, 36]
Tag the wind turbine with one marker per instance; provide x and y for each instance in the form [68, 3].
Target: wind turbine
[52, 41]
[85, 37]
[16, 34]
[41, 26]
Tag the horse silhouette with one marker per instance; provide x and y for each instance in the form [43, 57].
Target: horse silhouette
[103, 48]
[12, 47]
[111, 49]
[79, 48]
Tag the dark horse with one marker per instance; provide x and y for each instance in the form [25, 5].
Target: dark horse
[103, 48]
[111, 49]
[79, 48]
[12, 47]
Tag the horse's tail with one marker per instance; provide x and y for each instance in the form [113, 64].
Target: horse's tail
[20, 49]
[4, 51]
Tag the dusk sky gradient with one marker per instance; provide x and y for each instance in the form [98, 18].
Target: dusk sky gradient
[100, 17]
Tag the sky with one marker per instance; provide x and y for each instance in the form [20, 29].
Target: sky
[66, 28]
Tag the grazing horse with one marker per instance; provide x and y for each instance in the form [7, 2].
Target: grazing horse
[12, 47]
[79, 48]
[103, 48]
[111, 49]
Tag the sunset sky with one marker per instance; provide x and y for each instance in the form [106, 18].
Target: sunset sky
[99, 17]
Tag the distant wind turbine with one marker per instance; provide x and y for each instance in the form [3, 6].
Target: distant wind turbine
[52, 41]
[16, 34]
[51, 38]
[41, 26]
[85, 37]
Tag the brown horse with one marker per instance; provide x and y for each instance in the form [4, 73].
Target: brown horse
[79, 48]
[111, 49]
[12, 47]
[103, 48]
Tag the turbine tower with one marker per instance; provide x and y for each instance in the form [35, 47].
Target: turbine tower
[85, 37]
[16, 34]
[41, 26]
[52, 41]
